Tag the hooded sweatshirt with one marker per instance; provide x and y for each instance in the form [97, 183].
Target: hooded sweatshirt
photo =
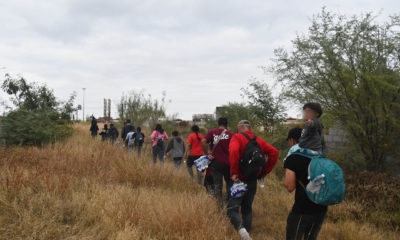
[177, 146]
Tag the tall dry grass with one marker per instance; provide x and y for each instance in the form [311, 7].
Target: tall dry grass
[85, 189]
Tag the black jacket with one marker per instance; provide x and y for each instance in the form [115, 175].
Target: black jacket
[125, 129]
[94, 127]
[113, 132]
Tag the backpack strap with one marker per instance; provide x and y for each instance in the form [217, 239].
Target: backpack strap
[218, 140]
[248, 138]
[301, 184]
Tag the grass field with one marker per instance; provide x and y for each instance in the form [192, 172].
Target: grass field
[85, 189]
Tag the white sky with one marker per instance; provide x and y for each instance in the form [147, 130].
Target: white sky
[200, 52]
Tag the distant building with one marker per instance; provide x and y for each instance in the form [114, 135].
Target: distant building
[336, 139]
[201, 119]
[292, 121]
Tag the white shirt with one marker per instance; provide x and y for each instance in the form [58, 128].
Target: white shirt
[129, 135]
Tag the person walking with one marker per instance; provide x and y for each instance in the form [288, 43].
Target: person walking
[139, 140]
[216, 144]
[130, 140]
[94, 129]
[128, 127]
[247, 164]
[104, 133]
[113, 133]
[194, 150]
[159, 136]
[306, 217]
[177, 146]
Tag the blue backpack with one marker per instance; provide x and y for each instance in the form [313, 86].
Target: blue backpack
[326, 186]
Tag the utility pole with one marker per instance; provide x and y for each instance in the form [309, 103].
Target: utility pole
[105, 110]
[83, 106]
[109, 110]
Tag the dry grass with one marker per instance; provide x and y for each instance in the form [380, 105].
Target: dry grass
[85, 189]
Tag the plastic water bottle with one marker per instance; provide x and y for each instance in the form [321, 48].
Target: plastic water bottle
[202, 163]
[315, 184]
[238, 189]
[261, 182]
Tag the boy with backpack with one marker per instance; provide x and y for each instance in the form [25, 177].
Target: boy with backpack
[129, 140]
[177, 145]
[138, 137]
[247, 164]
[113, 133]
[104, 133]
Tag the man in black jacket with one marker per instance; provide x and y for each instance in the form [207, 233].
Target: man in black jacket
[125, 129]
[113, 133]
[94, 128]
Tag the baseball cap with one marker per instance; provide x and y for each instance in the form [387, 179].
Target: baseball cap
[244, 122]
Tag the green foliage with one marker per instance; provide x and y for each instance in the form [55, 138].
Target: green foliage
[235, 112]
[38, 118]
[29, 96]
[27, 128]
[351, 66]
[141, 108]
[268, 109]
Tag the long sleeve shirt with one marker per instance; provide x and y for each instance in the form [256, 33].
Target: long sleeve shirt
[237, 147]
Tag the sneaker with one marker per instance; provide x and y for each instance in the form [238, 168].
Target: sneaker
[244, 235]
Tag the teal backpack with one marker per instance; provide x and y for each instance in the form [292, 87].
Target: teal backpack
[326, 186]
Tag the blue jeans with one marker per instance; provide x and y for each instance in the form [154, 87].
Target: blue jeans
[245, 204]
[158, 151]
[189, 164]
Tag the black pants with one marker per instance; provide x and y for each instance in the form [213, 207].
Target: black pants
[302, 225]
[138, 148]
[245, 204]
[219, 175]
[209, 184]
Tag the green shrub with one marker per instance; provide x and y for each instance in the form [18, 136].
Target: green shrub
[37, 117]
[23, 127]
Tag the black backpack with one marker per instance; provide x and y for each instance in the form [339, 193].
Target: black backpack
[160, 140]
[139, 138]
[252, 164]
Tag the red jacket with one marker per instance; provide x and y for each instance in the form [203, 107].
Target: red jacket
[238, 146]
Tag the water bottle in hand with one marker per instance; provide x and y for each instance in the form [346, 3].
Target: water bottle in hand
[202, 163]
[238, 189]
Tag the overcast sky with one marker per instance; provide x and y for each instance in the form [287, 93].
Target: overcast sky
[200, 52]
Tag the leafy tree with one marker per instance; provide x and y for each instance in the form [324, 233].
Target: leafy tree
[268, 109]
[351, 66]
[37, 117]
[236, 112]
[141, 108]
[29, 96]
